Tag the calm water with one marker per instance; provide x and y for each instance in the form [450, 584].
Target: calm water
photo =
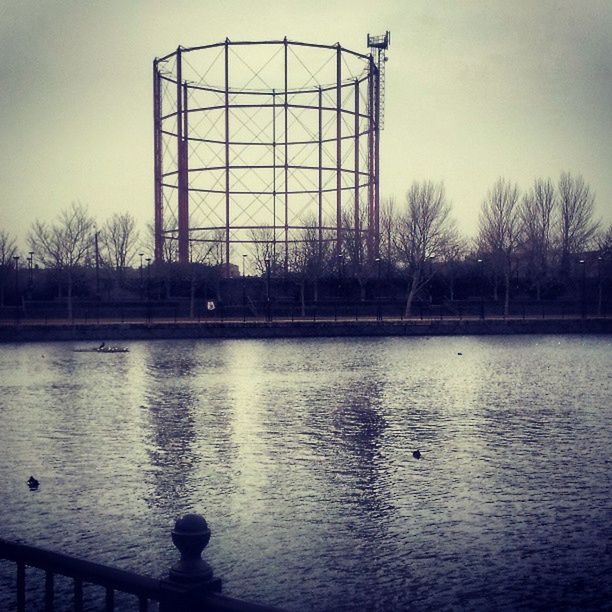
[299, 454]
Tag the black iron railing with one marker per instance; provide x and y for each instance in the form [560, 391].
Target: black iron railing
[190, 585]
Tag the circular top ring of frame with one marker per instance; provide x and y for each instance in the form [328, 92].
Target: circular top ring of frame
[264, 67]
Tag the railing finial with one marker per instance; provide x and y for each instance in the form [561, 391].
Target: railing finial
[191, 535]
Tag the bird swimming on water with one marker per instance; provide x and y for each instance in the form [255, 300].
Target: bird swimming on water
[416, 454]
[33, 483]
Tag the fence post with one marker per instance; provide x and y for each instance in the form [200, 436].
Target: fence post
[191, 578]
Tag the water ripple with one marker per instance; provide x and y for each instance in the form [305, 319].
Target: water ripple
[299, 453]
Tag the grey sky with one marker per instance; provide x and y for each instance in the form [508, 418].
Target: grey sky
[475, 90]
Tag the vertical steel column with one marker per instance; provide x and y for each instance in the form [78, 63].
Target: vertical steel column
[377, 161]
[286, 265]
[371, 161]
[157, 165]
[185, 255]
[356, 258]
[338, 150]
[320, 174]
[183, 215]
[227, 163]
[179, 124]
[274, 174]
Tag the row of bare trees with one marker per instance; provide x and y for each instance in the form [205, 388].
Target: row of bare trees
[74, 241]
[539, 230]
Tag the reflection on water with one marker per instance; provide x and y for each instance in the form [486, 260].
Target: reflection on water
[169, 406]
[299, 453]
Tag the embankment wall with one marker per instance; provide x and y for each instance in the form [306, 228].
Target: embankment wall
[304, 329]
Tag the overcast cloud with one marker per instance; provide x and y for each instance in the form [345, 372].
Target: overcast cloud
[475, 90]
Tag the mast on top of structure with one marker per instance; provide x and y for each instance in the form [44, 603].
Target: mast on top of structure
[379, 46]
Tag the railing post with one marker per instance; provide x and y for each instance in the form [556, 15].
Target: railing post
[191, 578]
[49, 591]
[21, 592]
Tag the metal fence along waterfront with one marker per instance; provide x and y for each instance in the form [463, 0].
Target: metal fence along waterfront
[189, 586]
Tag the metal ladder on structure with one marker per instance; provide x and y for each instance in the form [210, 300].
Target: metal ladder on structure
[380, 44]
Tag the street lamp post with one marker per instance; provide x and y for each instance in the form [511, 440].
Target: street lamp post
[268, 309]
[192, 282]
[583, 291]
[481, 278]
[97, 264]
[30, 269]
[148, 260]
[379, 292]
[243, 289]
[16, 258]
[599, 288]
[141, 286]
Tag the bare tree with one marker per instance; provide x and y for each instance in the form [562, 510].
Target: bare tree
[310, 258]
[169, 242]
[8, 250]
[423, 232]
[604, 262]
[499, 232]
[576, 224]
[537, 212]
[300, 266]
[208, 251]
[604, 243]
[388, 226]
[264, 249]
[66, 244]
[119, 238]
[452, 255]
[354, 249]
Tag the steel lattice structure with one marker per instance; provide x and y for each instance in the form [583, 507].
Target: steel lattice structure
[266, 141]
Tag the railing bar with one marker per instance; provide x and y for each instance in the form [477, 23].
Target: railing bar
[143, 604]
[107, 577]
[78, 595]
[48, 591]
[110, 600]
[21, 577]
